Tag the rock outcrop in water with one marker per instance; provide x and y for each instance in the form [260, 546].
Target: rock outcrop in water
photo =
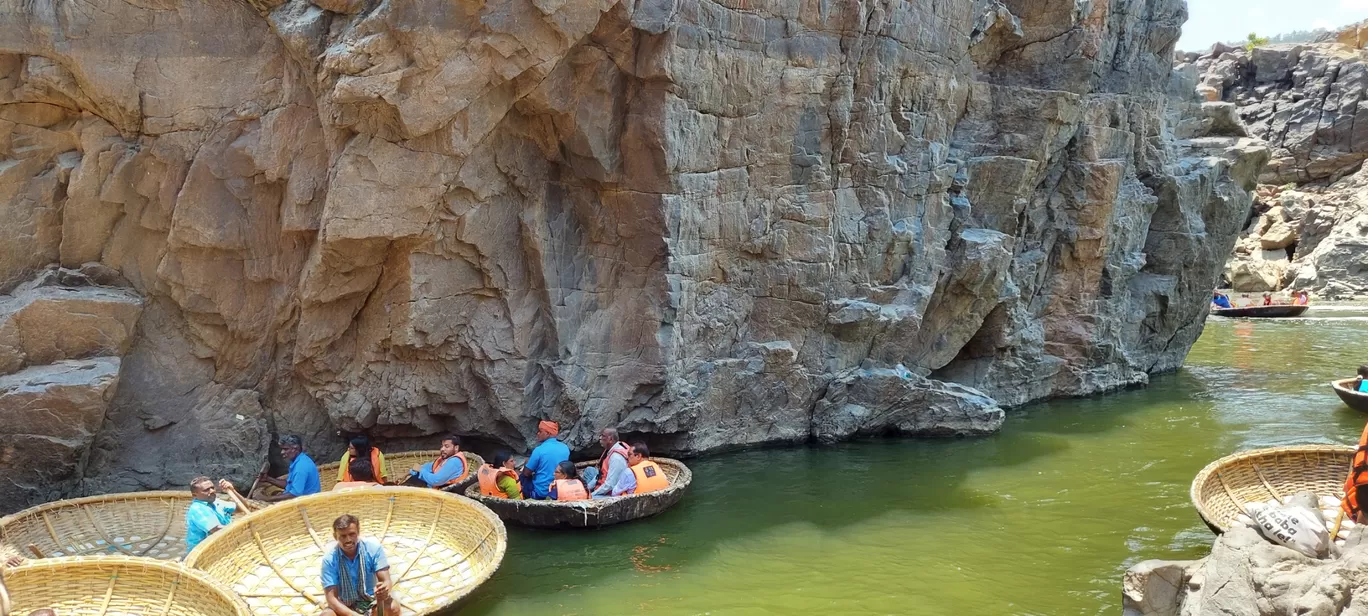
[1246, 575]
[714, 223]
[1310, 224]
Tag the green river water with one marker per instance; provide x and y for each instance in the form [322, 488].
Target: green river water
[1042, 518]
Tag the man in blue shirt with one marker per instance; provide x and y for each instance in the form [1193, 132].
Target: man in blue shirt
[1220, 300]
[303, 477]
[206, 515]
[355, 572]
[447, 470]
[541, 465]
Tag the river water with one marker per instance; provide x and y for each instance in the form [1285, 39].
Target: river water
[1042, 518]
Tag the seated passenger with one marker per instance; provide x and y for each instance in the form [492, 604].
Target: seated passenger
[362, 462]
[611, 465]
[645, 476]
[500, 478]
[1303, 298]
[1362, 384]
[1268, 299]
[567, 486]
[1220, 300]
[448, 469]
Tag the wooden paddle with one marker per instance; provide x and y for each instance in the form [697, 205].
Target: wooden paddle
[266, 466]
[242, 504]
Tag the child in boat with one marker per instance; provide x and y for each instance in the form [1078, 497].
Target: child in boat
[1362, 384]
[566, 485]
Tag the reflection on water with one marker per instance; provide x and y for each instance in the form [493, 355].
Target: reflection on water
[1040, 519]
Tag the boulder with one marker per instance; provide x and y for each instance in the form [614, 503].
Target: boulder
[1247, 576]
[49, 417]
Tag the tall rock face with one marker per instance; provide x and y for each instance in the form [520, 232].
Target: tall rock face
[1310, 224]
[712, 223]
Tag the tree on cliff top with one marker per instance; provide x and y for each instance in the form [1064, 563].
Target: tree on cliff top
[1254, 40]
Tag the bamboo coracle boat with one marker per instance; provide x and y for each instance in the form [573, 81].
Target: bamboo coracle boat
[1354, 399]
[440, 547]
[117, 585]
[397, 467]
[1224, 489]
[143, 524]
[591, 513]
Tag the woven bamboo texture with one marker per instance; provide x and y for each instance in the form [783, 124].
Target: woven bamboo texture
[147, 524]
[440, 547]
[1353, 399]
[591, 513]
[117, 585]
[1225, 487]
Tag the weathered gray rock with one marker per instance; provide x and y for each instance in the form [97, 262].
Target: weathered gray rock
[1247, 576]
[49, 417]
[684, 218]
[881, 401]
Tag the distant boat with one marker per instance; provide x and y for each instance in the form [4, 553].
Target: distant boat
[1261, 312]
[1346, 390]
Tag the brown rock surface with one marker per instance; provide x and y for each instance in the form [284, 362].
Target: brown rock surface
[49, 416]
[684, 217]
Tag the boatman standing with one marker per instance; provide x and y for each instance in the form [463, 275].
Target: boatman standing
[541, 465]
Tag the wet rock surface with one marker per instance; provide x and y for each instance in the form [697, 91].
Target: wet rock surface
[701, 221]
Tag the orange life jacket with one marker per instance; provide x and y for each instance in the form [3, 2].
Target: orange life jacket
[377, 468]
[618, 448]
[570, 490]
[465, 470]
[1358, 478]
[649, 477]
[489, 480]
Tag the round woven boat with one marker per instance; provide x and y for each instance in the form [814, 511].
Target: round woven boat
[397, 467]
[591, 513]
[117, 585]
[146, 524]
[440, 547]
[1347, 392]
[1225, 487]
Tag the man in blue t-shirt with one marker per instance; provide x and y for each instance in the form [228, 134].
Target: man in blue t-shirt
[206, 515]
[1220, 300]
[541, 465]
[302, 479]
[355, 573]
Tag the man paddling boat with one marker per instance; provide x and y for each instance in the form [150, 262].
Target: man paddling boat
[540, 468]
[302, 479]
[206, 515]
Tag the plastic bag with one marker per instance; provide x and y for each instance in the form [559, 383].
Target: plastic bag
[1292, 526]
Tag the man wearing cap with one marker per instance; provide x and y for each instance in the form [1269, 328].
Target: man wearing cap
[303, 477]
[541, 465]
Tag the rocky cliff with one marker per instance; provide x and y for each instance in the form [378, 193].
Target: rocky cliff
[709, 222]
[1310, 224]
